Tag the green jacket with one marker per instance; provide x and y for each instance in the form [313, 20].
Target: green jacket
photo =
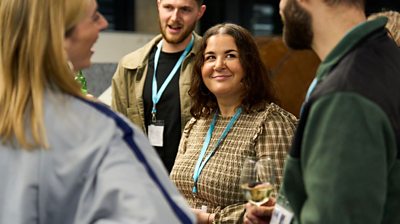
[344, 164]
[128, 83]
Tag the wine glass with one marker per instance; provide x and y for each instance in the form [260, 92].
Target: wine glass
[258, 180]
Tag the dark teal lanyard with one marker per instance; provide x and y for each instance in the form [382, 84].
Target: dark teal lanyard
[200, 163]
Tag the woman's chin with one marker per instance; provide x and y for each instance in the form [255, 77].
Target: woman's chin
[82, 65]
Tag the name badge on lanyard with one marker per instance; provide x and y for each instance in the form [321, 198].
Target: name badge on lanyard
[155, 130]
[282, 213]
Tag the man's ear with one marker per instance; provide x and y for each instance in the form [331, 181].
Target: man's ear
[201, 11]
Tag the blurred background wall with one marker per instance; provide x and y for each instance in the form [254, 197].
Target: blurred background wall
[132, 23]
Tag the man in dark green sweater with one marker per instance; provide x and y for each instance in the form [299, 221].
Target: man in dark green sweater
[344, 165]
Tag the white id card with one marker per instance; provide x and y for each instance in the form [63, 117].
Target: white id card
[281, 215]
[155, 135]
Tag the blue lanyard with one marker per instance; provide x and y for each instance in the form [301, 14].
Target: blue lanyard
[156, 95]
[311, 88]
[200, 163]
[309, 91]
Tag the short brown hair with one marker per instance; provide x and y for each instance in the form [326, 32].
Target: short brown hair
[199, 2]
[357, 3]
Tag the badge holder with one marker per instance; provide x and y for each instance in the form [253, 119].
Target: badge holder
[155, 132]
[282, 213]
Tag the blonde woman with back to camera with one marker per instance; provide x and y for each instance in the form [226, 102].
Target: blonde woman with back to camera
[63, 158]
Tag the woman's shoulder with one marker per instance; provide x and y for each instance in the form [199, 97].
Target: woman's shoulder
[196, 122]
[273, 108]
[273, 112]
[189, 125]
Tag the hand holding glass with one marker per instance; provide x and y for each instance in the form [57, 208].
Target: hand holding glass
[258, 180]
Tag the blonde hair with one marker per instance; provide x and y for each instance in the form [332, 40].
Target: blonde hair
[33, 59]
[393, 24]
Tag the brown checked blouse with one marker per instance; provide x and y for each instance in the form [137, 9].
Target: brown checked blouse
[265, 133]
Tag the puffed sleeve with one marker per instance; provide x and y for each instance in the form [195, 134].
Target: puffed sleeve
[275, 138]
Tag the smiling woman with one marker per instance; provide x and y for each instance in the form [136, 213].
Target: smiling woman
[81, 38]
[222, 71]
[234, 118]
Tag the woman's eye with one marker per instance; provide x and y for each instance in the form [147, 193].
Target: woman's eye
[230, 56]
[209, 58]
[96, 16]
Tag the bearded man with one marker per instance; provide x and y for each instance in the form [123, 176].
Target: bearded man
[344, 164]
[151, 84]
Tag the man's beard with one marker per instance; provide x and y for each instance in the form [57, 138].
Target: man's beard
[297, 31]
[176, 39]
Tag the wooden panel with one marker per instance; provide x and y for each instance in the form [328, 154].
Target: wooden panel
[292, 71]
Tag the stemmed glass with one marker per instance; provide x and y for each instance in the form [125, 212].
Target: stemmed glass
[258, 180]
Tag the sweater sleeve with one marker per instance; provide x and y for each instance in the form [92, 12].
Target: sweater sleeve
[119, 97]
[347, 145]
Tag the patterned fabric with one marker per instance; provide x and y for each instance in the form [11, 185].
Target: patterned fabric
[260, 134]
[393, 24]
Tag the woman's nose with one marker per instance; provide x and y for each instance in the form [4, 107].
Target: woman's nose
[103, 22]
[220, 64]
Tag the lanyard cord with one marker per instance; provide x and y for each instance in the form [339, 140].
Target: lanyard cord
[156, 95]
[200, 163]
[308, 94]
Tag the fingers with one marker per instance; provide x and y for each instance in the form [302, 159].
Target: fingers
[257, 214]
[270, 202]
[196, 211]
[264, 211]
[251, 219]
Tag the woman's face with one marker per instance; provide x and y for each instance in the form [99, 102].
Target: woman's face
[80, 42]
[222, 71]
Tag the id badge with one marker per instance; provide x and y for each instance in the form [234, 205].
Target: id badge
[282, 213]
[155, 133]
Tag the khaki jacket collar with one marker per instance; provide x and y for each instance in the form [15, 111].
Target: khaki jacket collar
[140, 57]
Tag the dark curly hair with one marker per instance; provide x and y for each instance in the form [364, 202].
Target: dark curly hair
[258, 88]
